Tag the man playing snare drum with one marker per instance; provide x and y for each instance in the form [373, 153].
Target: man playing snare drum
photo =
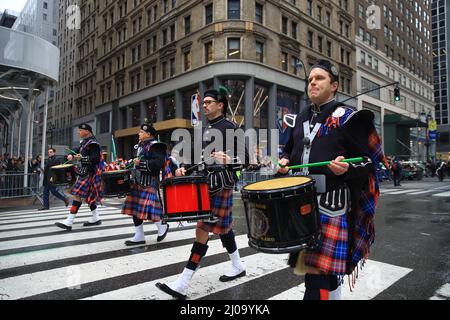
[144, 202]
[330, 130]
[215, 104]
[88, 184]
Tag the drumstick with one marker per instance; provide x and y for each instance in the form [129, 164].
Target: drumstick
[203, 162]
[71, 151]
[324, 163]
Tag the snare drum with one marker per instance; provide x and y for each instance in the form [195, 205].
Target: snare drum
[186, 199]
[63, 174]
[116, 183]
[282, 214]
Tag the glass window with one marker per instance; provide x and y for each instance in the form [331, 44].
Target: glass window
[209, 14]
[234, 48]
[259, 13]
[234, 9]
[260, 107]
[259, 51]
[169, 108]
[208, 52]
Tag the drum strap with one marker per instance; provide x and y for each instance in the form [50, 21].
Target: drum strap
[308, 137]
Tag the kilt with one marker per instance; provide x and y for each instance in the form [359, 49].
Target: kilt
[221, 206]
[143, 203]
[89, 187]
[331, 255]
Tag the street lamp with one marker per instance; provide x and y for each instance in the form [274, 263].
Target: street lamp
[299, 64]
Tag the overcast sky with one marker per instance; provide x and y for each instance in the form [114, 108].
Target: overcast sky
[15, 5]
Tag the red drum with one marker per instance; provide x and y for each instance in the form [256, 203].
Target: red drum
[186, 199]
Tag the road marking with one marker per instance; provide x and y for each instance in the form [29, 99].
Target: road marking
[74, 276]
[205, 280]
[443, 293]
[374, 278]
[442, 194]
[403, 191]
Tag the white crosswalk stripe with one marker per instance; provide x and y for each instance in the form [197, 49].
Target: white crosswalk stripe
[39, 260]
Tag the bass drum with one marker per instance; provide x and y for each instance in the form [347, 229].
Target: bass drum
[282, 214]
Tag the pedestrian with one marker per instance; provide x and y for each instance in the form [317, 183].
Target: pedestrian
[88, 184]
[441, 170]
[47, 183]
[330, 130]
[215, 105]
[397, 171]
[144, 202]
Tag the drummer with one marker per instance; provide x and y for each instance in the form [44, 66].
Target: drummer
[325, 131]
[144, 202]
[88, 184]
[215, 104]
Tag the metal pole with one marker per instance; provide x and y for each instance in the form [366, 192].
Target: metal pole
[44, 135]
[19, 142]
[13, 128]
[27, 142]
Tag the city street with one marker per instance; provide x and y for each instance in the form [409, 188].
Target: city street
[409, 260]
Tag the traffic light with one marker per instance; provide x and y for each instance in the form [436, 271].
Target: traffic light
[397, 93]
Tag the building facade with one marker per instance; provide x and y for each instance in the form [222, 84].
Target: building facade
[393, 40]
[440, 11]
[60, 121]
[143, 60]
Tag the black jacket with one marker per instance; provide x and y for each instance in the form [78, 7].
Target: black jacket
[52, 161]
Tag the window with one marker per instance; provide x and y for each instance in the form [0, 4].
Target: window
[209, 14]
[284, 25]
[187, 60]
[259, 51]
[259, 13]
[284, 61]
[172, 67]
[294, 30]
[319, 43]
[234, 9]
[187, 25]
[45, 5]
[234, 48]
[44, 16]
[208, 52]
[310, 39]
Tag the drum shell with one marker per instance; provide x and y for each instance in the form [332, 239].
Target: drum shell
[62, 175]
[282, 221]
[186, 195]
[116, 184]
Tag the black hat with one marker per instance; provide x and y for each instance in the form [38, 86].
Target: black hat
[220, 95]
[329, 67]
[149, 129]
[85, 126]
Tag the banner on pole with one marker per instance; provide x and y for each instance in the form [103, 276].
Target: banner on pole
[195, 110]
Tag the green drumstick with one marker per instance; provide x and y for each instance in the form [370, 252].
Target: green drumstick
[324, 163]
[71, 151]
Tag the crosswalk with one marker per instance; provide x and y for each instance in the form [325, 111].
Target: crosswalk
[40, 261]
[442, 191]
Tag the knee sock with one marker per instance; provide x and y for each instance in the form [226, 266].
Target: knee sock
[137, 222]
[197, 252]
[75, 206]
[228, 241]
[318, 287]
[93, 206]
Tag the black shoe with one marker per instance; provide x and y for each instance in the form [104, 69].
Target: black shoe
[225, 278]
[161, 238]
[89, 224]
[43, 208]
[133, 243]
[63, 226]
[173, 293]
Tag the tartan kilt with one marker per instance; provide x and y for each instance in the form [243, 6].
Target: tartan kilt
[143, 203]
[331, 255]
[89, 187]
[221, 206]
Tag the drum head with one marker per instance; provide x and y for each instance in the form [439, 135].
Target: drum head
[184, 180]
[278, 183]
[62, 166]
